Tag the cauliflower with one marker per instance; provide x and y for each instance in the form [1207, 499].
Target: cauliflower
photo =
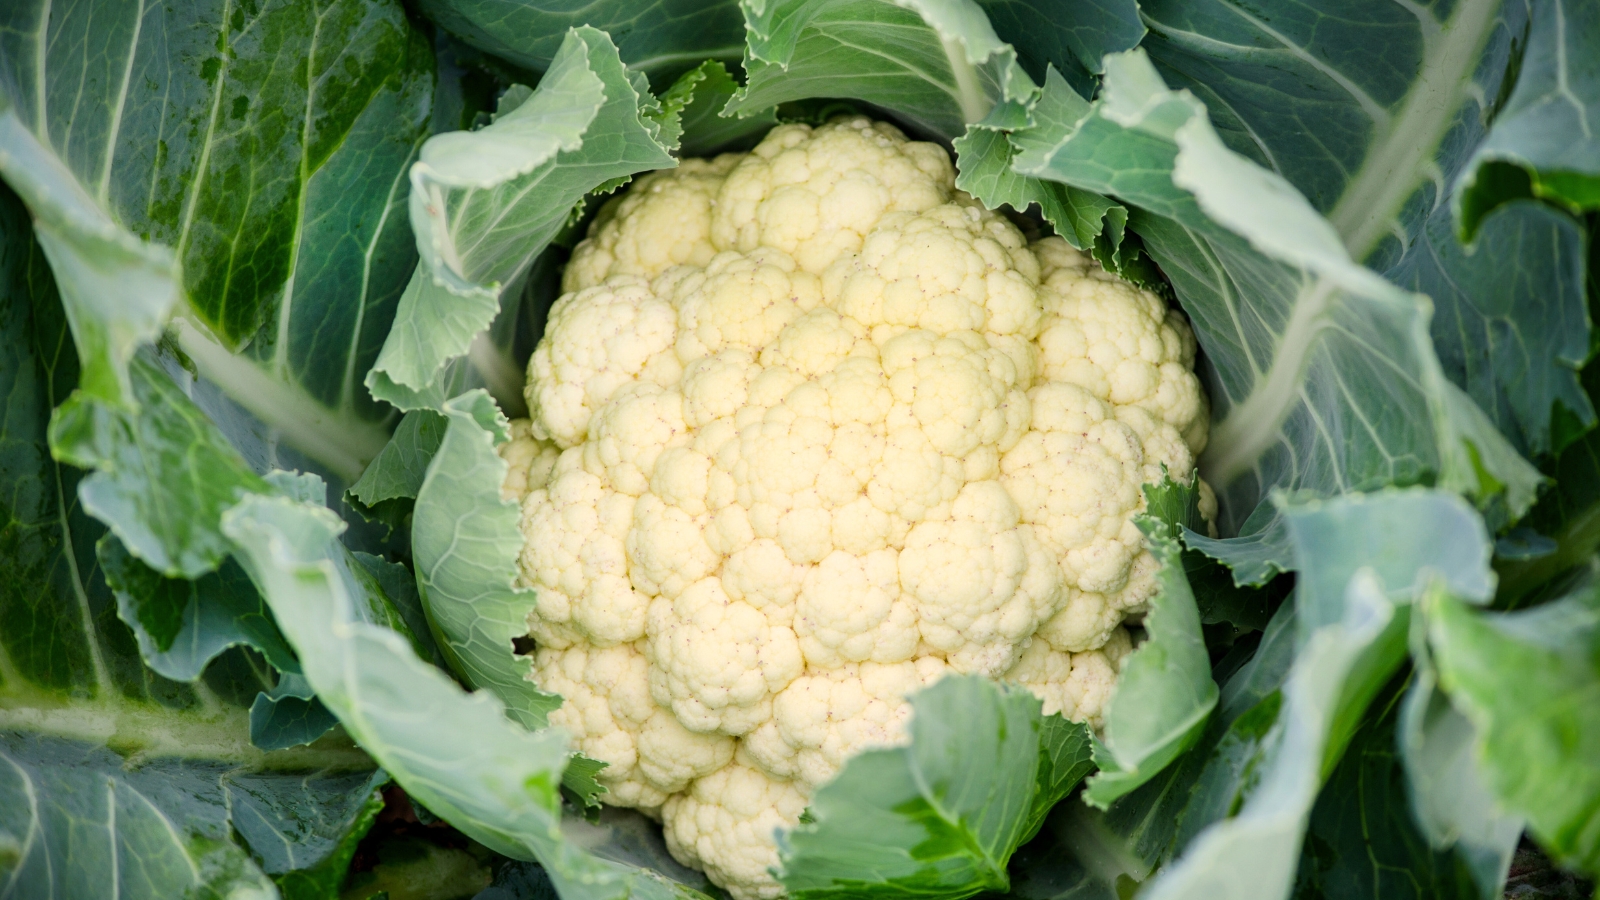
[811, 428]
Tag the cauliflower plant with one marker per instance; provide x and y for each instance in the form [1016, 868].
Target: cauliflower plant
[810, 429]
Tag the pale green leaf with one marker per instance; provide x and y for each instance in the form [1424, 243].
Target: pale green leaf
[936, 63]
[1530, 684]
[485, 204]
[466, 539]
[1164, 691]
[1323, 377]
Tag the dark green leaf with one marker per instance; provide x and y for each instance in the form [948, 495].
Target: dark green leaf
[1361, 842]
[703, 92]
[266, 147]
[288, 715]
[662, 38]
[1301, 342]
[71, 680]
[79, 816]
[182, 625]
[1545, 127]
[1370, 114]
[1073, 36]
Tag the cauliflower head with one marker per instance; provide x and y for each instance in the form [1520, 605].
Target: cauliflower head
[811, 428]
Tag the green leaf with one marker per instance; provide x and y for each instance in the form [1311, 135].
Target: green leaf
[485, 204]
[1164, 690]
[1073, 36]
[458, 754]
[99, 262]
[465, 540]
[164, 473]
[306, 845]
[1545, 125]
[1530, 684]
[72, 686]
[943, 814]
[182, 625]
[260, 152]
[402, 603]
[1450, 797]
[983, 163]
[1156, 821]
[1407, 538]
[1254, 853]
[1361, 562]
[88, 826]
[1371, 114]
[936, 63]
[78, 816]
[1066, 755]
[702, 93]
[661, 38]
[288, 715]
[1362, 842]
[1329, 348]
[1510, 322]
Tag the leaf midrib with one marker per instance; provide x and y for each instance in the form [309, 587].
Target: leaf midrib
[1401, 156]
[144, 732]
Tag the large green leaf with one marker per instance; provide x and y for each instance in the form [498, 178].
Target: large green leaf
[1530, 683]
[942, 815]
[261, 151]
[1362, 842]
[466, 540]
[1546, 126]
[1151, 825]
[935, 63]
[1164, 690]
[1568, 514]
[1407, 538]
[1322, 375]
[1072, 36]
[458, 753]
[1254, 854]
[182, 625]
[661, 38]
[163, 472]
[1449, 791]
[101, 757]
[485, 204]
[1371, 114]
[88, 826]
[704, 93]
[1238, 806]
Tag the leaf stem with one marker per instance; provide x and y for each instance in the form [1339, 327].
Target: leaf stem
[341, 442]
[151, 732]
[1252, 426]
[969, 94]
[1403, 146]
